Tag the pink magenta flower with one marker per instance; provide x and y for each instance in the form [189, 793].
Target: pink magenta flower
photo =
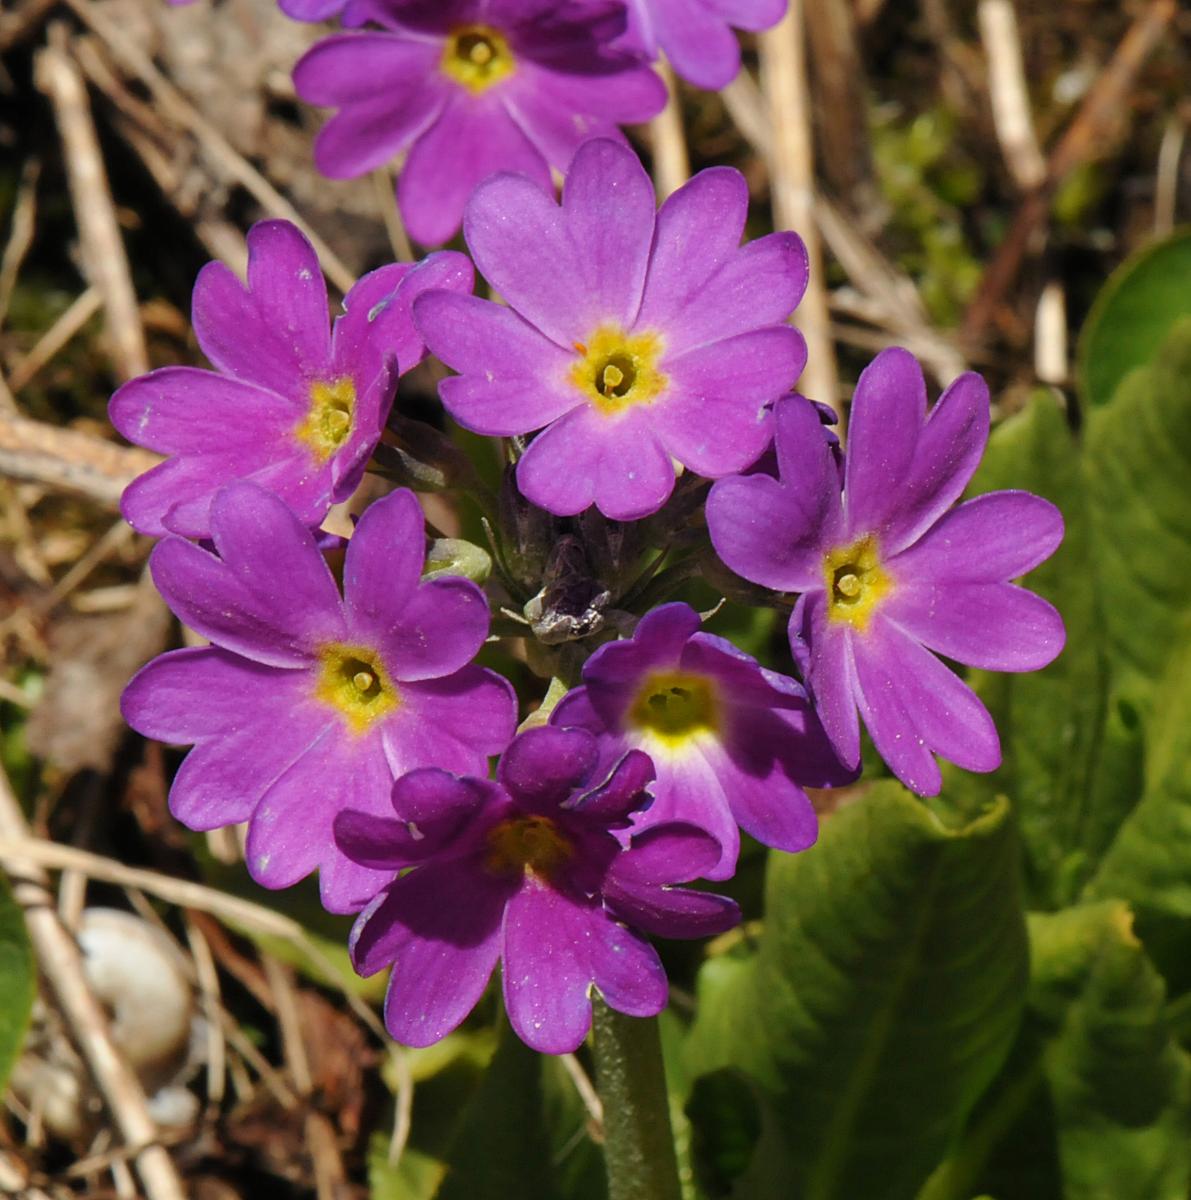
[696, 35]
[472, 87]
[307, 703]
[292, 405]
[733, 743]
[631, 337]
[888, 574]
[529, 871]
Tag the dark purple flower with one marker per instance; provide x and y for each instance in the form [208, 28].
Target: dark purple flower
[472, 87]
[306, 703]
[631, 337]
[529, 871]
[888, 574]
[733, 743]
[293, 405]
[696, 35]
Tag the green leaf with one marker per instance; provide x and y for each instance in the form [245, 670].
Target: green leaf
[1071, 758]
[1138, 463]
[1133, 314]
[885, 992]
[1119, 1082]
[1149, 862]
[415, 1177]
[18, 981]
[501, 1148]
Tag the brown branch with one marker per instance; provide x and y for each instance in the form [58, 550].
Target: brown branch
[1104, 103]
[61, 964]
[792, 172]
[104, 255]
[64, 458]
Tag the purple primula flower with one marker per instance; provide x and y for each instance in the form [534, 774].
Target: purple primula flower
[292, 405]
[888, 574]
[472, 87]
[632, 337]
[733, 743]
[529, 871]
[696, 35]
[306, 703]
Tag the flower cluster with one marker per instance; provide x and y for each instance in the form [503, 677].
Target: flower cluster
[639, 377]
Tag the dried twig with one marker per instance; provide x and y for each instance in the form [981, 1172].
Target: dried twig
[1102, 106]
[1166, 182]
[81, 310]
[99, 232]
[1008, 95]
[23, 22]
[67, 459]
[20, 234]
[1050, 335]
[60, 962]
[791, 164]
[174, 107]
[671, 163]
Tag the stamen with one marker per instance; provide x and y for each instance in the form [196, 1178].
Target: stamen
[674, 706]
[329, 421]
[531, 844]
[477, 57]
[611, 379]
[618, 370]
[353, 681]
[856, 582]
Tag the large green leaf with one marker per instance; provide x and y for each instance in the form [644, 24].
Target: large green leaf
[1133, 314]
[1149, 862]
[1138, 464]
[18, 981]
[884, 995]
[1119, 1082]
[1071, 752]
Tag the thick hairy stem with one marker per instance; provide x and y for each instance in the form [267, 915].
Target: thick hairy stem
[638, 1142]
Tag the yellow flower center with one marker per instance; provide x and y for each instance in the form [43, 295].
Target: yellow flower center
[477, 57]
[531, 845]
[616, 370]
[856, 582]
[329, 422]
[673, 707]
[353, 681]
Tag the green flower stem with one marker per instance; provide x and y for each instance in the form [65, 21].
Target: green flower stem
[631, 1080]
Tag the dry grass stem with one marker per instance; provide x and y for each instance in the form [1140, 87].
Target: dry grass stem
[792, 173]
[81, 310]
[1008, 94]
[174, 107]
[671, 162]
[61, 965]
[35, 452]
[1050, 335]
[102, 245]
[20, 234]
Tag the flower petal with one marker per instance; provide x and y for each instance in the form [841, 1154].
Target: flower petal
[888, 410]
[222, 780]
[292, 828]
[823, 652]
[543, 766]
[510, 373]
[558, 470]
[665, 854]
[384, 561]
[455, 722]
[995, 626]
[671, 912]
[995, 537]
[627, 970]
[275, 331]
[547, 952]
[622, 793]
[364, 136]
[757, 285]
[913, 705]
[472, 139]
[777, 533]
[698, 42]
[949, 450]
